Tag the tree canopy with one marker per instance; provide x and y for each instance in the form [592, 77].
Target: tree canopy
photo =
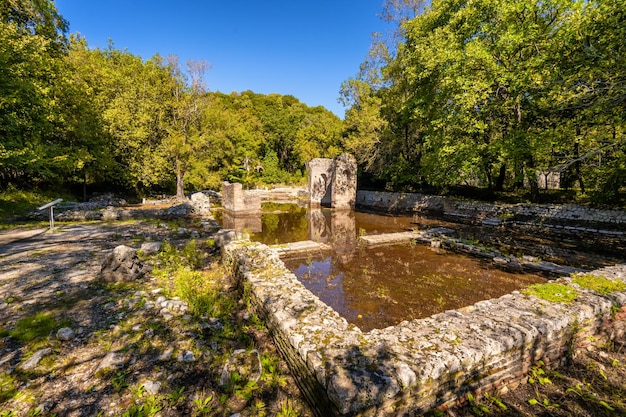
[494, 92]
[489, 93]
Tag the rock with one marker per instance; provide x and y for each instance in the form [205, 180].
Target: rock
[167, 354]
[122, 265]
[151, 387]
[65, 334]
[187, 357]
[180, 210]
[34, 360]
[112, 361]
[224, 237]
[246, 364]
[149, 248]
[201, 204]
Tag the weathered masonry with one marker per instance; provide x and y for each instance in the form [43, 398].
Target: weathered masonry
[417, 365]
[332, 182]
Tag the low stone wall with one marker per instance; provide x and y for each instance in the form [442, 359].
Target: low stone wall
[565, 217]
[418, 365]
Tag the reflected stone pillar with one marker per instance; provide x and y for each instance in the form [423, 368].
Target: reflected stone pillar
[343, 228]
[319, 225]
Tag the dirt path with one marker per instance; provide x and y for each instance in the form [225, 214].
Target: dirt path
[125, 354]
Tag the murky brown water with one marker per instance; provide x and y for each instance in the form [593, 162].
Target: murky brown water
[379, 287]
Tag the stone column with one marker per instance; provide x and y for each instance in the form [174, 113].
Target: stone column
[320, 181]
[343, 189]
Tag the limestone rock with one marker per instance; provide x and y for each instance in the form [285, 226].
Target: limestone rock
[122, 265]
[112, 361]
[149, 248]
[201, 204]
[65, 334]
[34, 360]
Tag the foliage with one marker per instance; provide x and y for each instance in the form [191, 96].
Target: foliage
[178, 270]
[493, 93]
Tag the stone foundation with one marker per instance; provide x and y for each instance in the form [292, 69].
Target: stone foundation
[418, 365]
[565, 217]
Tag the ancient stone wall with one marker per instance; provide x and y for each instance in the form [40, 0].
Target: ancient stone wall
[332, 182]
[495, 214]
[236, 200]
[416, 365]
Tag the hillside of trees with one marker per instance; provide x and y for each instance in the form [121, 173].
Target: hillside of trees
[486, 93]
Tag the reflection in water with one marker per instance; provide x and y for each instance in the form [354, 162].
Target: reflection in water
[381, 286]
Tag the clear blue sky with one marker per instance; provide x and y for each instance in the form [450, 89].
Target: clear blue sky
[302, 48]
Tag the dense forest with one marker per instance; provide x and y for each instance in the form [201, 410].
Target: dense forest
[488, 93]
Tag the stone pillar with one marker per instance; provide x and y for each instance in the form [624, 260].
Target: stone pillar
[343, 188]
[320, 181]
[236, 200]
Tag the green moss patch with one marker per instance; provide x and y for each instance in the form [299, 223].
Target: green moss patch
[599, 284]
[552, 291]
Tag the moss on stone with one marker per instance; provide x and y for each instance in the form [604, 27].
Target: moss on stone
[599, 284]
[552, 291]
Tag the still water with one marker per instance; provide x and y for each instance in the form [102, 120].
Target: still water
[376, 287]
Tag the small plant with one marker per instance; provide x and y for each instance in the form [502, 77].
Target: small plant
[287, 410]
[7, 387]
[496, 401]
[552, 291]
[119, 382]
[475, 407]
[538, 375]
[176, 397]
[202, 406]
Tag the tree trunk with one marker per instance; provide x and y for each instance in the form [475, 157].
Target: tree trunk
[531, 176]
[501, 178]
[180, 186]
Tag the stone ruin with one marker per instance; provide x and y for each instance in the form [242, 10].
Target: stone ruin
[236, 200]
[332, 182]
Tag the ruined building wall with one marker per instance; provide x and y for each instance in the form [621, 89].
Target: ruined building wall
[416, 365]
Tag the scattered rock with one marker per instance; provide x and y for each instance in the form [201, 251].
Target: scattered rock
[112, 361]
[122, 265]
[167, 354]
[34, 360]
[149, 248]
[201, 204]
[181, 210]
[152, 387]
[188, 356]
[65, 334]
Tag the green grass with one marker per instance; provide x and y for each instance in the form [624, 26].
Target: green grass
[15, 202]
[552, 291]
[34, 327]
